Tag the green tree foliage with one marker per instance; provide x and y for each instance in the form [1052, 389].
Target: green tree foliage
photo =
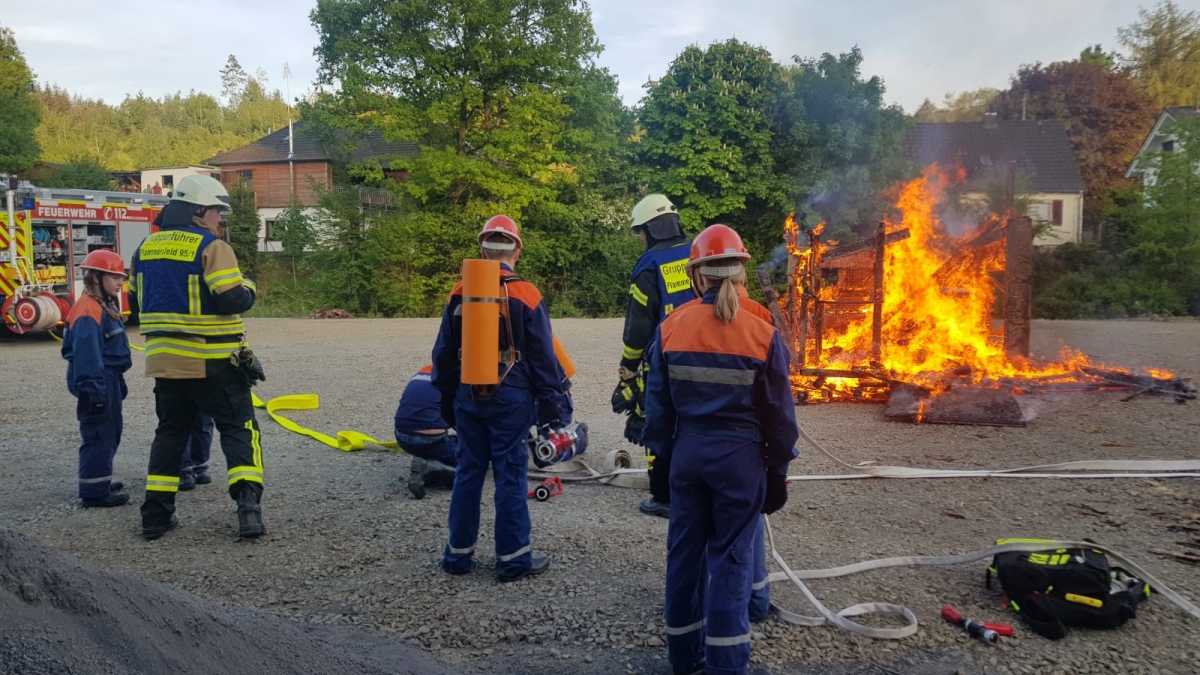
[850, 143]
[1106, 114]
[1167, 246]
[511, 116]
[143, 132]
[1149, 260]
[242, 229]
[19, 112]
[1096, 54]
[1164, 52]
[710, 134]
[233, 80]
[83, 174]
[967, 106]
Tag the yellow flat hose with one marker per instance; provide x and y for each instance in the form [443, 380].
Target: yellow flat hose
[346, 441]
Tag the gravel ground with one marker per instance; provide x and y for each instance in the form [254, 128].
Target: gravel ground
[347, 547]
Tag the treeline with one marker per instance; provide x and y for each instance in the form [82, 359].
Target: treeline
[141, 132]
[512, 115]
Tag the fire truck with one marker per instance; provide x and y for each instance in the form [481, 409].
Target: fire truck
[50, 232]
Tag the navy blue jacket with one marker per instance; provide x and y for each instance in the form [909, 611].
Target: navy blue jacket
[93, 342]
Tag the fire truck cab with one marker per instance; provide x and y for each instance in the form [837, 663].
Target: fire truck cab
[52, 230]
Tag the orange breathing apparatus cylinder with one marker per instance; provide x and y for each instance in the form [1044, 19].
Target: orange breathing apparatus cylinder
[564, 359]
[481, 300]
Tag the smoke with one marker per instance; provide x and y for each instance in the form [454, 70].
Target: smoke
[778, 260]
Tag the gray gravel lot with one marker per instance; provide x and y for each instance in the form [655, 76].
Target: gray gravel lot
[348, 548]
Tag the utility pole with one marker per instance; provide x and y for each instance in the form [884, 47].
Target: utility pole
[287, 84]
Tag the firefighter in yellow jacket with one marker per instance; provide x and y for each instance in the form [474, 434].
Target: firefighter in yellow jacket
[191, 294]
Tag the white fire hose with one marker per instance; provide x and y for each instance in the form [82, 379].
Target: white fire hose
[617, 471]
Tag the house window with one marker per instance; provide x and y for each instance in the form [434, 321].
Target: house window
[246, 178]
[1168, 146]
[168, 181]
[1056, 212]
[269, 232]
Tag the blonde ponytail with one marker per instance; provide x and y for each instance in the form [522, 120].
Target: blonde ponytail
[727, 303]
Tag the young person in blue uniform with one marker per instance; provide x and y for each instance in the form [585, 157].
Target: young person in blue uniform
[719, 405]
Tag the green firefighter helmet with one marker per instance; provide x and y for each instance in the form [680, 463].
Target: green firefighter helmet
[202, 191]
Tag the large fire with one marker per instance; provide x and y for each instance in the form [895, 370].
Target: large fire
[937, 321]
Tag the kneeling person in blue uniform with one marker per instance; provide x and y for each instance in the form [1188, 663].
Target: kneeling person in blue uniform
[492, 425]
[423, 433]
[719, 404]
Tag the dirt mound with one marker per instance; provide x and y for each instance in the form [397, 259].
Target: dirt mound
[58, 615]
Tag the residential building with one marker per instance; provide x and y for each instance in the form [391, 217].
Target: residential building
[277, 167]
[165, 177]
[1047, 174]
[1160, 139]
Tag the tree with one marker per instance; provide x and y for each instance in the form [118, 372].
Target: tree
[709, 135]
[294, 232]
[1096, 54]
[968, 106]
[847, 144]
[233, 80]
[19, 110]
[1166, 252]
[1164, 53]
[242, 228]
[80, 174]
[1106, 113]
[510, 114]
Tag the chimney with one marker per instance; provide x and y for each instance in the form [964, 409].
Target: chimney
[990, 120]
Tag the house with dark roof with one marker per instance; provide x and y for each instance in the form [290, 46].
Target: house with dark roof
[1048, 175]
[1160, 139]
[286, 163]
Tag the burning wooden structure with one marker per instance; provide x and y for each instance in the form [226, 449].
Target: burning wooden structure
[936, 325]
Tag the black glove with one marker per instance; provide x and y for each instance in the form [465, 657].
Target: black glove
[776, 492]
[660, 478]
[630, 396]
[633, 429]
[446, 406]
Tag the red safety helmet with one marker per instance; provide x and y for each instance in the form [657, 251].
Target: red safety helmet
[501, 225]
[717, 242]
[104, 260]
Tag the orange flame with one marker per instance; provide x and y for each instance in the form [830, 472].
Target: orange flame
[938, 304]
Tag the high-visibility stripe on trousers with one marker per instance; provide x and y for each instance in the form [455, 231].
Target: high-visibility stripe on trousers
[225, 398]
[491, 433]
[717, 490]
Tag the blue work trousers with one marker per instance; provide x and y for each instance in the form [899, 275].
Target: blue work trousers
[442, 449]
[491, 432]
[199, 446]
[717, 491]
[101, 433]
[760, 590]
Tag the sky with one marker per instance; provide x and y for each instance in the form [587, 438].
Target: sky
[921, 48]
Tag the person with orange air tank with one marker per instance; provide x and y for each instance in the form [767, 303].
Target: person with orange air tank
[719, 406]
[492, 394]
[97, 353]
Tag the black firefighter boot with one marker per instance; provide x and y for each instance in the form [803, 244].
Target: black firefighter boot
[250, 523]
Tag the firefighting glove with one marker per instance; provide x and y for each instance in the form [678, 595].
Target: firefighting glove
[776, 491]
[248, 367]
[446, 406]
[630, 396]
[633, 429]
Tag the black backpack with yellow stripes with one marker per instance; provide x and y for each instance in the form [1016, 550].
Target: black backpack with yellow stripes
[1056, 588]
